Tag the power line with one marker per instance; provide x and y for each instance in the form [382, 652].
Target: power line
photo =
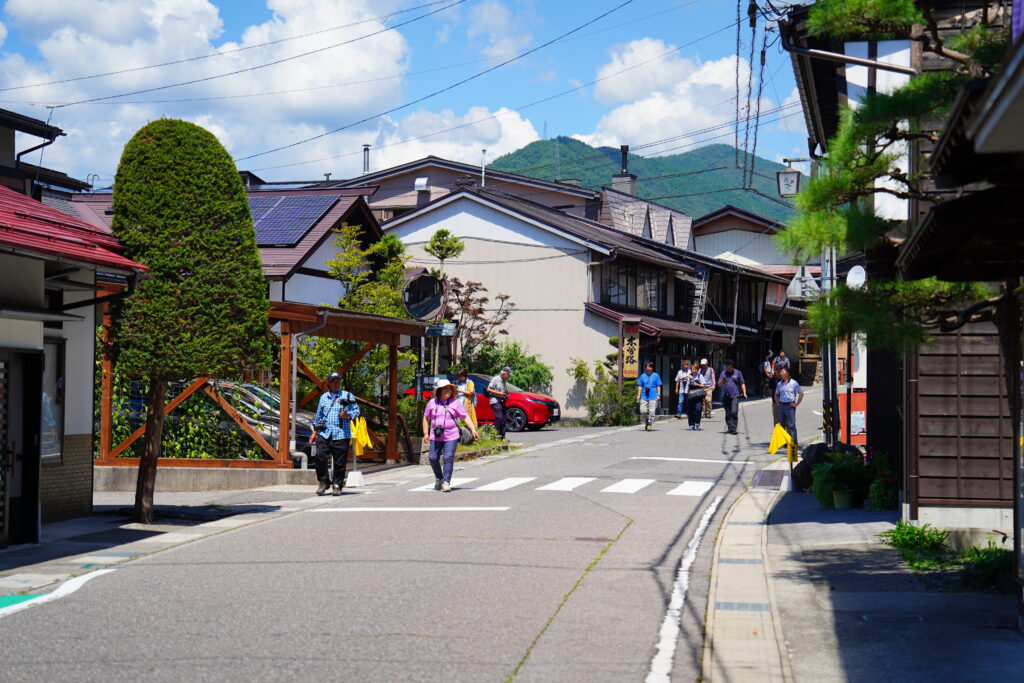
[315, 87]
[736, 135]
[750, 87]
[205, 79]
[440, 91]
[757, 114]
[510, 111]
[221, 53]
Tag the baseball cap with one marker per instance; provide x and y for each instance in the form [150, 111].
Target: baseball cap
[507, 369]
[333, 376]
[703, 361]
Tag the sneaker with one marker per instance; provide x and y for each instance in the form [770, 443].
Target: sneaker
[691, 428]
[437, 484]
[697, 428]
[446, 487]
[335, 490]
[322, 489]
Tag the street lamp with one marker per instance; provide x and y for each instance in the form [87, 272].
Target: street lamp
[788, 179]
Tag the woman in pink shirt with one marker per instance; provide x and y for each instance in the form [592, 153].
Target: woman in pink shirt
[441, 426]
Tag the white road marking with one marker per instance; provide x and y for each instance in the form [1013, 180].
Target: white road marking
[432, 509]
[566, 484]
[691, 488]
[817, 412]
[456, 481]
[722, 462]
[628, 486]
[661, 664]
[504, 484]
[63, 590]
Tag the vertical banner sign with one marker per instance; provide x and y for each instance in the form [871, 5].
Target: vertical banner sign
[630, 351]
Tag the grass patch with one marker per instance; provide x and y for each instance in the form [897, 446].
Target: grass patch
[924, 548]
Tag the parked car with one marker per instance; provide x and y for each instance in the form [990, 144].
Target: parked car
[523, 410]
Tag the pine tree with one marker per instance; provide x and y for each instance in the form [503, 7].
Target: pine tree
[181, 210]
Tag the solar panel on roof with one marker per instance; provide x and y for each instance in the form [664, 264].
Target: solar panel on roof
[284, 220]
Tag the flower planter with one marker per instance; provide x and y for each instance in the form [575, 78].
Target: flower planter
[842, 500]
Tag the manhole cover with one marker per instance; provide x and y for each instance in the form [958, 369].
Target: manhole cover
[769, 479]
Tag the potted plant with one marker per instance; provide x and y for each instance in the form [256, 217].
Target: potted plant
[835, 481]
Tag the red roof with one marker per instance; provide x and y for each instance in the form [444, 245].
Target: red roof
[30, 225]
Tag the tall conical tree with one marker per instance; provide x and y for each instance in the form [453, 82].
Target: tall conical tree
[181, 210]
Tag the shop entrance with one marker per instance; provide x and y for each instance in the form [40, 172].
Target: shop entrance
[20, 402]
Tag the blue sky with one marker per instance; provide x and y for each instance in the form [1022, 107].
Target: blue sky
[656, 97]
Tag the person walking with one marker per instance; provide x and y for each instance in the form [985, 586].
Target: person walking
[441, 425]
[497, 395]
[767, 376]
[682, 385]
[332, 432]
[733, 386]
[467, 390]
[648, 394]
[788, 395]
[695, 402]
[707, 374]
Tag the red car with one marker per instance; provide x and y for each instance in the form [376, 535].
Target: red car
[523, 409]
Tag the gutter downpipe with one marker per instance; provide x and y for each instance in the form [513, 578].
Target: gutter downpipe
[295, 373]
[19, 155]
[132, 282]
[845, 59]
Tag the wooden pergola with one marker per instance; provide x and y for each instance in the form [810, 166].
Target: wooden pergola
[292, 320]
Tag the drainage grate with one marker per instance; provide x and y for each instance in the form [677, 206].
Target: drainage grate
[769, 479]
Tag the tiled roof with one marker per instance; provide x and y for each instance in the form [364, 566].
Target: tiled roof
[627, 213]
[277, 261]
[30, 225]
[659, 325]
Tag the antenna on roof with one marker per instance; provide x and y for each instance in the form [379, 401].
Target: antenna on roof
[483, 168]
[366, 159]
[327, 176]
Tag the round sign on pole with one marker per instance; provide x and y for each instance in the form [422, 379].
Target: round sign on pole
[423, 297]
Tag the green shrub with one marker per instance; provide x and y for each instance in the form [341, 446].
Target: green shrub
[528, 370]
[843, 472]
[606, 403]
[882, 495]
[988, 568]
[923, 547]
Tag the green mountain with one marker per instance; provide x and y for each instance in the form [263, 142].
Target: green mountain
[681, 181]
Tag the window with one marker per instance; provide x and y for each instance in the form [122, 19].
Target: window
[51, 428]
[634, 285]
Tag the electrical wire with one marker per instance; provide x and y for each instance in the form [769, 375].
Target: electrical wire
[221, 53]
[206, 79]
[319, 87]
[440, 91]
[510, 111]
[757, 111]
[748, 108]
[736, 135]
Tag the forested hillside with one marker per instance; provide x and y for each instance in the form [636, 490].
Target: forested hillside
[695, 182]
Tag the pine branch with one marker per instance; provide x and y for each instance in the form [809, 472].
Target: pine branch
[933, 42]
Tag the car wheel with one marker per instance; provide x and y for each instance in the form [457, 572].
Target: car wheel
[515, 420]
[535, 428]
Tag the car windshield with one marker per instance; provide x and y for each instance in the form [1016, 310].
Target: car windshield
[481, 382]
[264, 394]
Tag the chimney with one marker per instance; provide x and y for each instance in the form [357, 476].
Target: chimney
[624, 181]
[366, 159]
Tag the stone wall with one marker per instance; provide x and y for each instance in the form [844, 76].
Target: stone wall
[66, 482]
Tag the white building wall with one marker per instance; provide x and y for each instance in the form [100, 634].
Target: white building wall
[546, 275]
[745, 244]
[79, 360]
[21, 284]
[310, 289]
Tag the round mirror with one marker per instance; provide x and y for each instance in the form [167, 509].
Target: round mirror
[423, 297]
[856, 278]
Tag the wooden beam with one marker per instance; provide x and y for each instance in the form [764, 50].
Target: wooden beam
[285, 412]
[322, 385]
[392, 446]
[196, 385]
[241, 422]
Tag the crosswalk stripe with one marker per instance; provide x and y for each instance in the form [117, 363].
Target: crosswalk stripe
[566, 484]
[504, 484]
[628, 486]
[456, 481]
[692, 488]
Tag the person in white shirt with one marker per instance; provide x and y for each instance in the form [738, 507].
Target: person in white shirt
[707, 374]
[682, 386]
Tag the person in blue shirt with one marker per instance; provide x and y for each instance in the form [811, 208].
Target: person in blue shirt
[788, 395]
[733, 386]
[648, 394]
[332, 430]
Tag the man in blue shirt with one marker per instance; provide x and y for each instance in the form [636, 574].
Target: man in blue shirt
[332, 429]
[733, 386]
[648, 394]
[788, 395]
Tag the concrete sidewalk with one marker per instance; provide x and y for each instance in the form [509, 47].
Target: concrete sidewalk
[807, 594]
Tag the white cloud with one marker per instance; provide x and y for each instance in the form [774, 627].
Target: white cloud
[93, 36]
[659, 75]
[492, 22]
[679, 99]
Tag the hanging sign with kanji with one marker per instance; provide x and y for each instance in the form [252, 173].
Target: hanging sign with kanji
[630, 351]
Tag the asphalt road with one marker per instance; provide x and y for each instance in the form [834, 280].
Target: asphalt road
[541, 585]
